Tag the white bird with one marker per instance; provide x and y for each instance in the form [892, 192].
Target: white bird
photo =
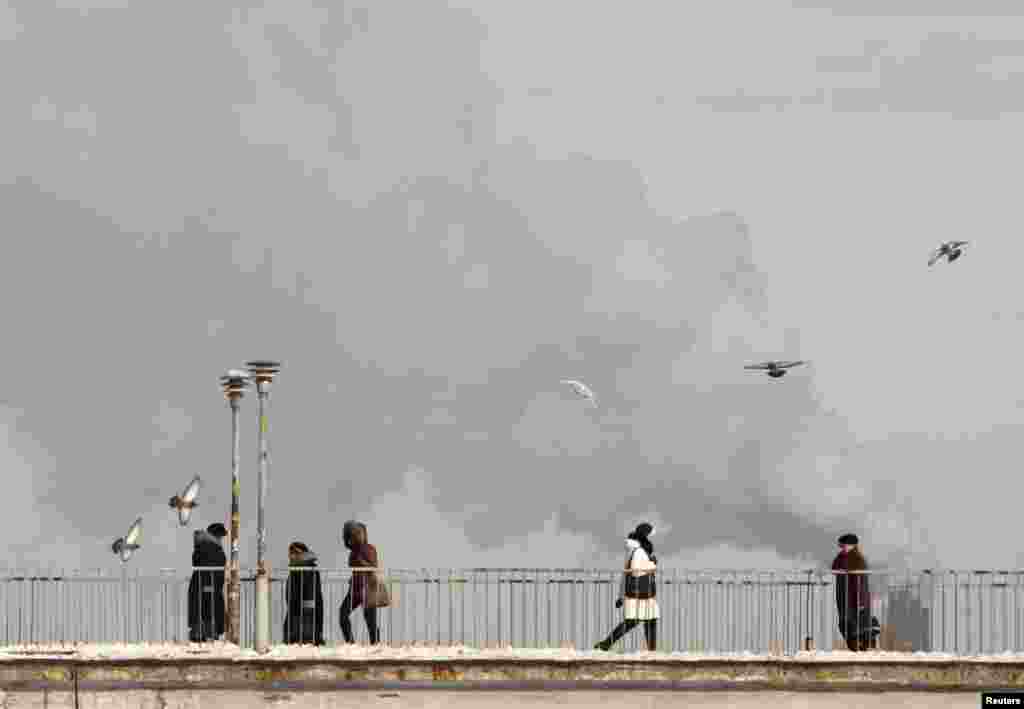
[126, 545]
[951, 251]
[581, 389]
[186, 501]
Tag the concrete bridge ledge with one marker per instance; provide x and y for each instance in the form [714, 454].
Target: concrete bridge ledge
[786, 674]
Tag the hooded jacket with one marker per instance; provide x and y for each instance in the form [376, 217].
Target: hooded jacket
[305, 598]
[362, 554]
[205, 588]
[852, 589]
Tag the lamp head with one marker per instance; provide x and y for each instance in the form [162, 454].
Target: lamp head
[262, 371]
[234, 384]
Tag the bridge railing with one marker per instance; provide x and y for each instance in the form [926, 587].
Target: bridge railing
[701, 611]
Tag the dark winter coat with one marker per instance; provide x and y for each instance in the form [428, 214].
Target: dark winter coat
[206, 588]
[304, 622]
[852, 590]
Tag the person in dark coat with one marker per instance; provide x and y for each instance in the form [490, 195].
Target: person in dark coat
[638, 590]
[362, 554]
[853, 596]
[206, 587]
[304, 622]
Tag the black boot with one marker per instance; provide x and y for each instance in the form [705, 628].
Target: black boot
[620, 630]
[651, 631]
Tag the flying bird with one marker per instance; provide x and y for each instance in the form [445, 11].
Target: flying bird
[581, 389]
[186, 501]
[951, 251]
[776, 368]
[126, 545]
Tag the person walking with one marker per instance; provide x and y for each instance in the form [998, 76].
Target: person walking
[206, 587]
[638, 590]
[304, 622]
[853, 596]
[363, 590]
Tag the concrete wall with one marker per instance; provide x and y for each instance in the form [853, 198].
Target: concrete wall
[37, 674]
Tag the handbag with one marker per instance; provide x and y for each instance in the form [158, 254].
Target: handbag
[639, 586]
[377, 595]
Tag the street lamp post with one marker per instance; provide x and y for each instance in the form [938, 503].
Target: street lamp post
[262, 372]
[234, 383]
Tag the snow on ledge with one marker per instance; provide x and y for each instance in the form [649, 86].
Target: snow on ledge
[224, 651]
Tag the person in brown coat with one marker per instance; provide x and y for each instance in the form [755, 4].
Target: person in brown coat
[853, 595]
[362, 554]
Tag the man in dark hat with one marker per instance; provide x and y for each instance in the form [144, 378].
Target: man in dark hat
[853, 598]
[206, 587]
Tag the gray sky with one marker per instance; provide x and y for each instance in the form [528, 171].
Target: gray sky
[432, 213]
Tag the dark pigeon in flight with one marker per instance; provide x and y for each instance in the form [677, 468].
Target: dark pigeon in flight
[775, 368]
[951, 251]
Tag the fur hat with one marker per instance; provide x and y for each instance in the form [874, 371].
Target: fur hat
[850, 539]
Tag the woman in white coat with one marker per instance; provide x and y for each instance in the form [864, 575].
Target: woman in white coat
[638, 590]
